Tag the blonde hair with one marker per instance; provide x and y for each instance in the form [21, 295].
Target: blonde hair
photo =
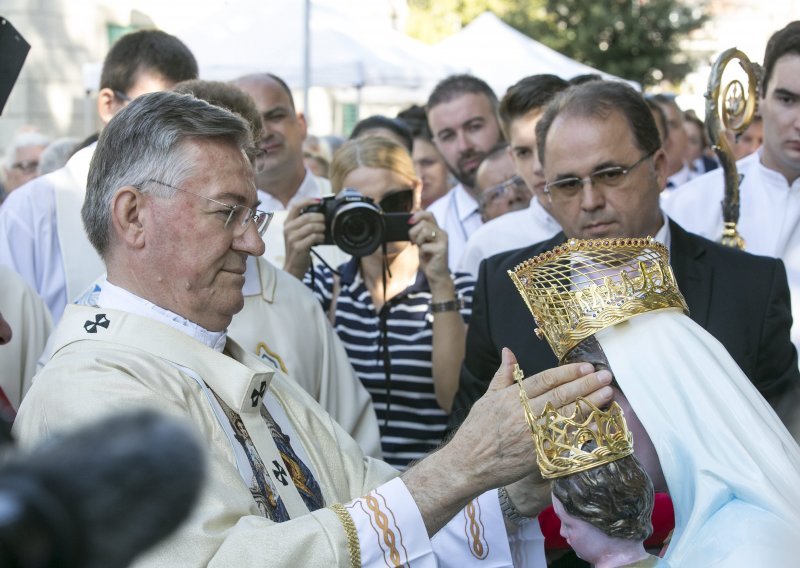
[371, 152]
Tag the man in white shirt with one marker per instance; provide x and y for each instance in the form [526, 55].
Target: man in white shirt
[283, 180]
[41, 234]
[769, 219]
[519, 111]
[462, 116]
[285, 484]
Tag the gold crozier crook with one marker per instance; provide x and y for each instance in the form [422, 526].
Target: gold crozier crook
[730, 109]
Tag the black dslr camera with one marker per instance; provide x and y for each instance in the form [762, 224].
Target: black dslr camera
[358, 226]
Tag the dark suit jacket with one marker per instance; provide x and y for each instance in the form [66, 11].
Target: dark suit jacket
[740, 298]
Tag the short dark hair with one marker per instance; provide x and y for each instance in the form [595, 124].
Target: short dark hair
[660, 118]
[663, 99]
[585, 78]
[456, 85]
[530, 93]
[416, 120]
[599, 99]
[146, 50]
[616, 498]
[393, 125]
[786, 40]
[227, 96]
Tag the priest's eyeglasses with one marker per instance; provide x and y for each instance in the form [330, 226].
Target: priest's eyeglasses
[239, 216]
[567, 189]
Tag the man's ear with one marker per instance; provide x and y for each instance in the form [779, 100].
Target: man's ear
[301, 119]
[127, 216]
[660, 167]
[107, 105]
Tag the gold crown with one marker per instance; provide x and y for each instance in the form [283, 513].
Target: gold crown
[561, 441]
[581, 287]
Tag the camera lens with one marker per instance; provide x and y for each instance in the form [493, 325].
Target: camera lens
[357, 228]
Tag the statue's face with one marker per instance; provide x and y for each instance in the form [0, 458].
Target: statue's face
[590, 351]
[589, 543]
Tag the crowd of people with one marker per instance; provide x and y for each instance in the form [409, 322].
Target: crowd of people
[337, 319]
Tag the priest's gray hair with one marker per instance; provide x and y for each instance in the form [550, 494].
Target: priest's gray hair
[148, 140]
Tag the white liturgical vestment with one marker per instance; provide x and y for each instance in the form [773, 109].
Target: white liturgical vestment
[109, 360]
[42, 236]
[31, 325]
[283, 323]
[769, 216]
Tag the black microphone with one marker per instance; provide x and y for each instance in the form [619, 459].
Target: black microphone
[101, 495]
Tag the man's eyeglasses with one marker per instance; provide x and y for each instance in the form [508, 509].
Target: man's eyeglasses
[25, 166]
[568, 188]
[239, 216]
[515, 185]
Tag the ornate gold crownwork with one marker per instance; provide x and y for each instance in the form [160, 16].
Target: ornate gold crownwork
[581, 287]
[561, 441]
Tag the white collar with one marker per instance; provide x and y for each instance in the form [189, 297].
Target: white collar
[663, 235]
[680, 177]
[773, 176]
[465, 204]
[539, 213]
[116, 298]
[78, 164]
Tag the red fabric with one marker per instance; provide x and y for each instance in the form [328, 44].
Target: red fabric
[663, 522]
[6, 408]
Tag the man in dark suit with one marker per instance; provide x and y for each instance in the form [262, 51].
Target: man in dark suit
[602, 159]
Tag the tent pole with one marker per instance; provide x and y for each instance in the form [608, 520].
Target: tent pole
[306, 58]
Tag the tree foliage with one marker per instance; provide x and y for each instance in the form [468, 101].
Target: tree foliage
[634, 39]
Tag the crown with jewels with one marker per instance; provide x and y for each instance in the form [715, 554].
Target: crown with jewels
[583, 286]
[587, 438]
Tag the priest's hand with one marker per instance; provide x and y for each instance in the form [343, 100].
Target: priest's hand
[493, 447]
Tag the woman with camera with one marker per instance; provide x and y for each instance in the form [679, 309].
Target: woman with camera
[398, 310]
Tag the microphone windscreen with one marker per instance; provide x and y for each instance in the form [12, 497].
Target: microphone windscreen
[124, 483]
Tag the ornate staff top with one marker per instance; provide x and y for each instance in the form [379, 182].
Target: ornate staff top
[730, 109]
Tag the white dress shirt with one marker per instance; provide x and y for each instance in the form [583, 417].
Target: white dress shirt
[457, 213]
[769, 216]
[510, 231]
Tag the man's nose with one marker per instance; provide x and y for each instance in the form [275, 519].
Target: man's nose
[592, 198]
[250, 241]
[463, 142]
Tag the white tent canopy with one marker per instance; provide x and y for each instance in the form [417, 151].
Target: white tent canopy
[249, 36]
[501, 56]
[351, 57]
[239, 37]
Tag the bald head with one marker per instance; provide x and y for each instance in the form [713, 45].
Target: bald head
[281, 166]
